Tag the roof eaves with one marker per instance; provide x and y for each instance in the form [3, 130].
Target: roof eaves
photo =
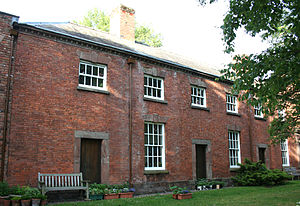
[133, 53]
[1, 12]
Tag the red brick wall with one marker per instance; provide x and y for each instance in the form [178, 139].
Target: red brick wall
[48, 108]
[5, 55]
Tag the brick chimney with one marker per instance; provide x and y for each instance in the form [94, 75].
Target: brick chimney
[122, 22]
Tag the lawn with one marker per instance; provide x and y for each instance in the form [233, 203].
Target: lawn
[287, 194]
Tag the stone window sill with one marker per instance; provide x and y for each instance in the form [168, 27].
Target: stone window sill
[155, 100]
[155, 172]
[92, 90]
[233, 114]
[234, 169]
[201, 108]
[260, 118]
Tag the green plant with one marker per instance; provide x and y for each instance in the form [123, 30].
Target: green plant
[256, 174]
[16, 190]
[31, 192]
[179, 190]
[25, 197]
[4, 189]
[42, 197]
[16, 198]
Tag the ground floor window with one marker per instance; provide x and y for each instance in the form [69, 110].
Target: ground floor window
[285, 153]
[234, 149]
[154, 146]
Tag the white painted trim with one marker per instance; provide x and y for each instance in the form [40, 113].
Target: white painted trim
[287, 153]
[161, 89]
[163, 148]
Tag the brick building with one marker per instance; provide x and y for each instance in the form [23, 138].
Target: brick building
[75, 99]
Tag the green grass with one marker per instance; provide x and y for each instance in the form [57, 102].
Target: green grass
[287, 194]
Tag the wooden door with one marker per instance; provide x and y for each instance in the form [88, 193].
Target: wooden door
[200, 161]
[90, 160]
[261, 154]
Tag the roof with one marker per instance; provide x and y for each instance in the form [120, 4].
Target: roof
[89, 34]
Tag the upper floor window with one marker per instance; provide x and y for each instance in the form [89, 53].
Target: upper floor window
[198, 96]
[153, 87]
[92, 75]
[234, 149]
[154, 146]
[258, 111]
[284, 153]
[231, 103]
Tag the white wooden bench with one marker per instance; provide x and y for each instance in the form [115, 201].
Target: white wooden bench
[59, 182]
[292, 171]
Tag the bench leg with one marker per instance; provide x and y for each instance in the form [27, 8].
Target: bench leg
[87, 192]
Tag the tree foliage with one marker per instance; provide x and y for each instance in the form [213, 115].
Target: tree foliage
[270, 78]
[97, 19]
[147, 36]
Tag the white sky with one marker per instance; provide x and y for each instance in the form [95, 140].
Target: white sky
[186, 27]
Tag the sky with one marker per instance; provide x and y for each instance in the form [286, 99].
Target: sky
[186, 27]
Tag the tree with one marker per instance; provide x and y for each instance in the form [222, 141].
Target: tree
[97, 19]
[270, 78]
[147, 36]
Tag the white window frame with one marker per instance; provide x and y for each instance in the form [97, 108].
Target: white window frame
[285, 153]
[152, 88]
[92, 76]
[234, 149]
[198, 96]
[160, 146]
[258, 111]
[231, 103]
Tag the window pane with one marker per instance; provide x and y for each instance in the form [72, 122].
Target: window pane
[154, 83]
[155, 151]
[154, 92]
[82, 69]
[88, 69]
[150, 151]
[150, 129]
[146, 139]
[87, 80]
[94, 81]
[95, 71]
[149, 92]
[159, 93]
[81, 79]
[151, 139]
[101, 72]
[150, 82]
[145, 81]
[159, 83]
[100, 82]
[155, 139]
[146, 128]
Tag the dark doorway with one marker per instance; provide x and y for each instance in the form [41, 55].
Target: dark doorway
[200, 161]
[90, 160]
[261, 154]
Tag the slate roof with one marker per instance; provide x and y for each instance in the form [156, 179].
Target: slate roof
[89, 34]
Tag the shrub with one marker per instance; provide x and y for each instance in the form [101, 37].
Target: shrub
[4, 189]
[256, 174]
[16, 190]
